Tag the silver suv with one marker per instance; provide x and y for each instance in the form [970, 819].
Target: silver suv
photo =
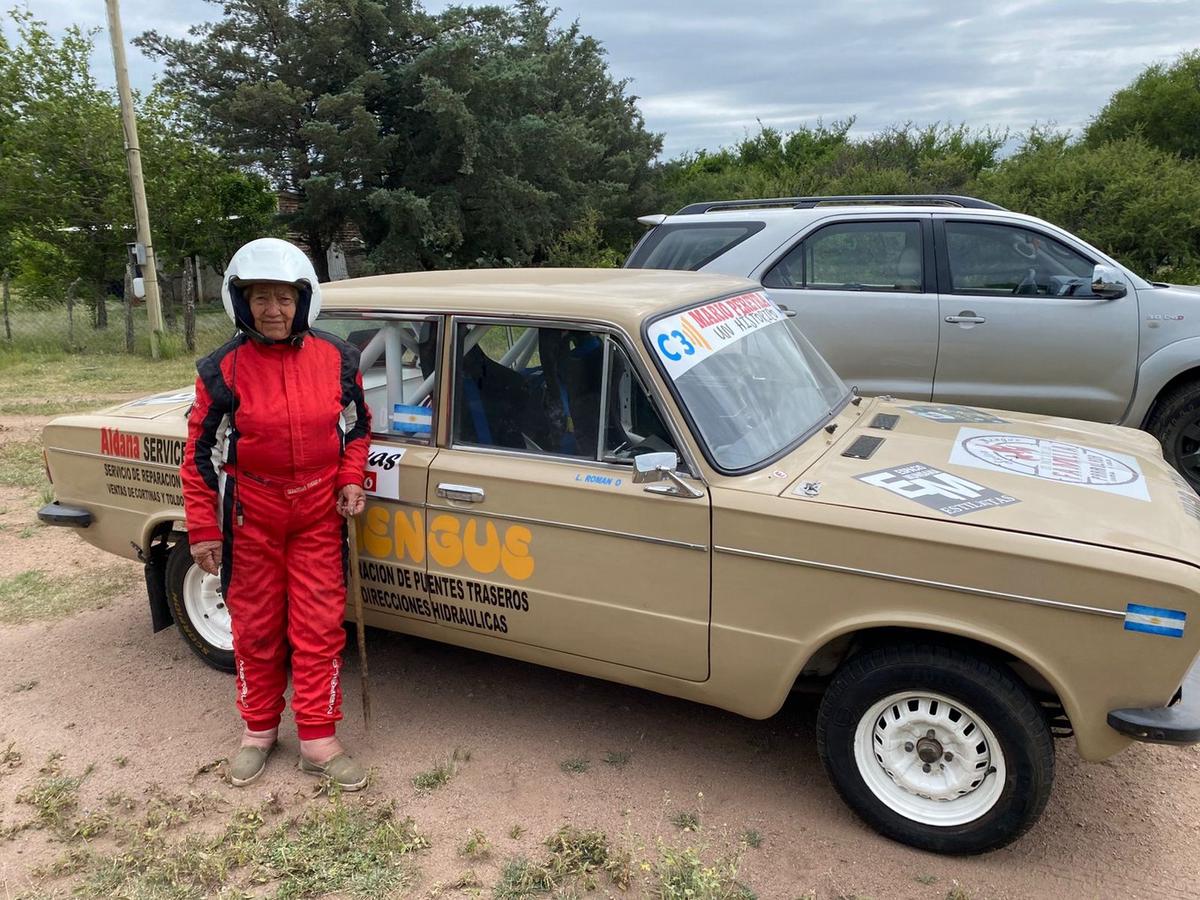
[951, 299]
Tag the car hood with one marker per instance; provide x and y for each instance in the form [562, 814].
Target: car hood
[176, 401]
[1060, 478]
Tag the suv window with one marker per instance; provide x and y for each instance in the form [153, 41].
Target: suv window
[399, 359]
[689, 246]
[855, 256]
[1004, 259]
[543, 389]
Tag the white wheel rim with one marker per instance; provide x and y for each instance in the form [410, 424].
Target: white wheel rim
[206, 608]
[951, 777]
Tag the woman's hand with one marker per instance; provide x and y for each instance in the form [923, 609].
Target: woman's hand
[351, 500]
[207, 555]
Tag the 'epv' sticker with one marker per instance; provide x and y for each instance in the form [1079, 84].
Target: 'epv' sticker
[1050, 460]
[686, 339]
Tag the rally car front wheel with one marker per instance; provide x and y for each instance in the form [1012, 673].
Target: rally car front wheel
[199, 609]
[936, 748]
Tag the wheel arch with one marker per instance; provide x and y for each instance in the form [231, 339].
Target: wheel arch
[1184, 377]
[835, 649]
[155, 547]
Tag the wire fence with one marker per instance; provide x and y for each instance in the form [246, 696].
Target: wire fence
[108, 325]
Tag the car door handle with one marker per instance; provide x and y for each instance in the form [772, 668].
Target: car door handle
[966, 319]
[464, 492]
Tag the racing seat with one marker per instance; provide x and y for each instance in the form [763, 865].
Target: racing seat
[490, 402]
[572, 370]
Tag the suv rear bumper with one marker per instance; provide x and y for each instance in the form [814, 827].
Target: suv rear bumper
[1178, 724]
[57, 514]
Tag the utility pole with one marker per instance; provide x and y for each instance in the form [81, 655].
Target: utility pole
[133, 155]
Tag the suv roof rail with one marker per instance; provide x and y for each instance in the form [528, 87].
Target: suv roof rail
[810, 202]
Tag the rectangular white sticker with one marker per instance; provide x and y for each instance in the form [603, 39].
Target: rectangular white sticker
[688, 338]
[1050, 460]
[383, 471]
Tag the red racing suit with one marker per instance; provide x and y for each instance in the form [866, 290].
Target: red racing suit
[276, 431]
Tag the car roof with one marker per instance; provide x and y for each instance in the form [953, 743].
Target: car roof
[623, 297]
[788, 213]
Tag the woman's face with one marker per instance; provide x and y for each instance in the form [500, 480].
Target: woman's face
[273, 306]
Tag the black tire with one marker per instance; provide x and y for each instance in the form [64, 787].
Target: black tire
[179, 563]
[1000, 701]
[1176, 424]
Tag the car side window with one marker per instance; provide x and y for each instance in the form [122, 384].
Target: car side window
[559, 391]
[399, 370]
[855, 256]
[1003, 260]
[686, 247]
[533, 389]
[632, 423]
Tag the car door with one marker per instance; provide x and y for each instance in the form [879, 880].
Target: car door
[1021, 328]
[863, 292]
[537, 532]
[399, 369]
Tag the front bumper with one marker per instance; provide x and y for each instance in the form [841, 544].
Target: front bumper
[1177, 724]
[57, 514]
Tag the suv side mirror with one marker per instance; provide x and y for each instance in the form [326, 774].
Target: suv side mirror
[651, 468]
[1108, 283]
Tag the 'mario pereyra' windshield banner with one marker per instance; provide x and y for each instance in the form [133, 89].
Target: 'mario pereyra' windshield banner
[685, 339]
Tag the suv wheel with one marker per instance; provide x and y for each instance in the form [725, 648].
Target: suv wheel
[935, 748]
[199, 609]
[1176, 424]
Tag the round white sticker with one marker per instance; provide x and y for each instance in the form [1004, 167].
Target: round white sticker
[1050, 459]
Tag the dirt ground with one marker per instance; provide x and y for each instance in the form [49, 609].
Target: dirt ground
[100, 689]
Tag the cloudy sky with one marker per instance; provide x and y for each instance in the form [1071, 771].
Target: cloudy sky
[707, 70]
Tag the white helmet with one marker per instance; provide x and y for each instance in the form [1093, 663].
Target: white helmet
[270, 259]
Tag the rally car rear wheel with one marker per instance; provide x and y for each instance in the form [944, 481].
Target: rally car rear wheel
[199, 609]
[936, 748]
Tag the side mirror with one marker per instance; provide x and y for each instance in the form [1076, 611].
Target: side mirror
[1108, 283]
[652, 467]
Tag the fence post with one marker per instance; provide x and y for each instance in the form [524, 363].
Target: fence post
[102, 310]
[167, 298]
[189, 304]
[128, 308]
[7, 326]
[71, 311]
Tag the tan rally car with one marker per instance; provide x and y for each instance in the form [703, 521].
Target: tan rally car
[653, 478]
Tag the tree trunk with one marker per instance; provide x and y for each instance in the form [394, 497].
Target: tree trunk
[317, 247]
[129, 308]
[7, 326]
[71, 313]
[189, 303]
[102, 310]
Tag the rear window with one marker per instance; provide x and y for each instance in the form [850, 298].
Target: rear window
[689, 246]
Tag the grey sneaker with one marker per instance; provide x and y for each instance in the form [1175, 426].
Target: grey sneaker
[248, 764]
[340, 769]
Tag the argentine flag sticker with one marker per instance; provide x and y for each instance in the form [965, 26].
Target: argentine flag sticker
[1155, 620]
[411, 419]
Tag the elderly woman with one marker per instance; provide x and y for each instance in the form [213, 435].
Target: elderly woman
[277, 446]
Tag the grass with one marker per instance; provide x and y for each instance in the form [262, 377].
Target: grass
[21, 465]
[46, 384]
[575, 765]
[333, 847]
[516, 831]
[33, 596]
[476, 847]
[10, 758]
[575, 858]
[442, 771]
[682, 874]
[752, 838]
[54, 798]
[618, 759]
[686, 821]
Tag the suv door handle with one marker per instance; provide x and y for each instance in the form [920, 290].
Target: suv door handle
[966, 317]
[464, 492]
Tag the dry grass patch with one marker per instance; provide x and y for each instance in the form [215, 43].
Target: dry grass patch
[21, 465]
[33, 595]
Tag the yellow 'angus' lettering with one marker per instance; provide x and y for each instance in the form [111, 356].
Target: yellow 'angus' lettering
[402, 534]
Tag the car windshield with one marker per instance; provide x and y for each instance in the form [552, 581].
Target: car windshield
[751, 382]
